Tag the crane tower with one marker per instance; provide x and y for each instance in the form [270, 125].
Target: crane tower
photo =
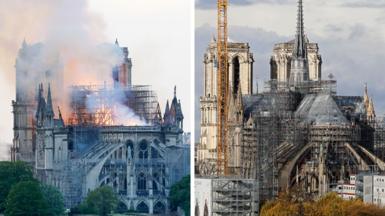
[222, 88]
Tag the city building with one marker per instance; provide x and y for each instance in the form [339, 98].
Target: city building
[371, 187]
[347, 189]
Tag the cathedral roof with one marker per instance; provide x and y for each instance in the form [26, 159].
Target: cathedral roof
[255, 103]
[321, 110]
[269, 102]
[351, 104]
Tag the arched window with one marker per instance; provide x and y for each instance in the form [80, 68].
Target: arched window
[142, 182]
[196, 208]
[154, 153]
[273, 69]
[155, 179]
[121, 208]
[288, 68]
[125, 184]
[206, 209]
[130, 149]
[156, 141]
[142, 208]
[236, 74]
[159, 208]
[143, 149]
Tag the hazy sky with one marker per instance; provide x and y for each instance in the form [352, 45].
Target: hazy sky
[157, 34]
[350, 34]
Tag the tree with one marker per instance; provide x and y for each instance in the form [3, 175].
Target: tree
[294, 203]
[54, 200]
[102, 200]
[180, 195]
[26, 198]
[12, 173]
[82, 208]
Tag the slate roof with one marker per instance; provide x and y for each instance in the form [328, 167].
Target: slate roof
[321, 110]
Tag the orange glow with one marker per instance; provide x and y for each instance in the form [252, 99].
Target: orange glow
[104, 116]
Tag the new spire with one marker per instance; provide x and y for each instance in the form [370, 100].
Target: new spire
[299, 72]
[300, 43]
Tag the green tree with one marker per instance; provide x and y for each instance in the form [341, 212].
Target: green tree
[54, 200]
[180, 195]
[12, 173]
[82, 208]
[102, 200]
[26, 198]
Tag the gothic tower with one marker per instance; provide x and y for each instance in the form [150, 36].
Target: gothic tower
[23, 114]
[240, 78]
[122, 73]
[289, 59]
[44, 130]
[32, 67]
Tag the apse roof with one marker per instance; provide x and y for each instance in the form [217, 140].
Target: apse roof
[321, 110]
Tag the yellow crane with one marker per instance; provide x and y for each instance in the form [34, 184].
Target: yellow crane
[222, 88]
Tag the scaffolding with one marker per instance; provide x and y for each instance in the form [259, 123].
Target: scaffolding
[233, 196]
[97, 105]
[270, 138]
[305, 87]
[379, 138]
[333, 143]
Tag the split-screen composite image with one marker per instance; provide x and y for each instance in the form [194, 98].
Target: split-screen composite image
[183, 107]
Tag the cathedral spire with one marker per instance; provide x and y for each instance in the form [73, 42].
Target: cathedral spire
[213, 39]
[60, 117]
[49, 109]
[299, 72]
[371, 114]
[158, 115]
[366, 89]
[40, 103]
[366, 97]
[300, 43]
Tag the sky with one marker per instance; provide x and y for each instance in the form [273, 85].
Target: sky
[157, 34]
[350, 35]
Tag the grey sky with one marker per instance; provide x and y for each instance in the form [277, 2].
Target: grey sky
[157, 34]
[209, 4]
[350, 34]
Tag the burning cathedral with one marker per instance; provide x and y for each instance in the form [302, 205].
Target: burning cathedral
[112, 135]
